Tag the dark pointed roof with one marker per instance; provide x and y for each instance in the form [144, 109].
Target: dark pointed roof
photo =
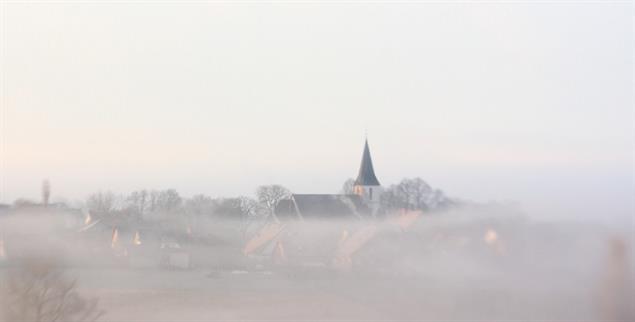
[366, 176]
[313, 206]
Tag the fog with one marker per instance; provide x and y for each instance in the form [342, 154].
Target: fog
[469, 263]
[518, 115]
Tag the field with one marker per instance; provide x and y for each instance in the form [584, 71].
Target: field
[150, 295]
[449, 268]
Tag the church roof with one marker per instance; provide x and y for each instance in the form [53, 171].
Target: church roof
[366, 176]
[313, 206]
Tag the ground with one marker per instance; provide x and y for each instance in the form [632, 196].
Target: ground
[196, 295]
[443, 268]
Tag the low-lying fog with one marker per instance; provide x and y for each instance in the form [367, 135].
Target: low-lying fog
[484, 263]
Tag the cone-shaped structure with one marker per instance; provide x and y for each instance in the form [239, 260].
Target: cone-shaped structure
[366, 176]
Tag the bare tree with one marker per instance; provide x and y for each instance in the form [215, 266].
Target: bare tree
[102, 202]
[37, 289]
[413, 194]
[391, 200]
[228, 208]
[250, 207]
[158, 203]
[200, 205]
[270, 195]
[165, 200]
[252, 212]
[138, 202]
[347, 187]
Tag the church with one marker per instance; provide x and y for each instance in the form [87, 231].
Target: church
[362, 203]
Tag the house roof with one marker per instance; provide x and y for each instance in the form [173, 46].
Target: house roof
[285, 209]
[322, 206]
[366, 176]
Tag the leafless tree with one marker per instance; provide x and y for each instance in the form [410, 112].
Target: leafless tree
[165, 200]
[270, 195]
[414, 191]
[200, 205]
[252, 213]
[413, 194]
[228, 208]
[250, 207]
[347, 187]
[102, 202]
[37, 289]
[138, 202]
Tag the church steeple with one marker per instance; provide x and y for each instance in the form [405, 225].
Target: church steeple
[366, 185]
[366, 176]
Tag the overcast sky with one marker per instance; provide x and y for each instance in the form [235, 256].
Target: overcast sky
[517, 101]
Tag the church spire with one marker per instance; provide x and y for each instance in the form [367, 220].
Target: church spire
[366, 176]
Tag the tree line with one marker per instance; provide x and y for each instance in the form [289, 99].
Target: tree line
[409, 193]
[156, 204]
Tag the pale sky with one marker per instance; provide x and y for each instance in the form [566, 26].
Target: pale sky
[514, 101]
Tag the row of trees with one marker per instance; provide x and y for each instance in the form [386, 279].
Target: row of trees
[410, 193]
[414, 194]
[144, 204]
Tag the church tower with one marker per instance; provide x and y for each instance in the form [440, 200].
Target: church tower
[366, 185]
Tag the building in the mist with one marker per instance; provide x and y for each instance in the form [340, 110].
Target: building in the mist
[363, 202]
[366, 185]
[64, 215]
[322, 206]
